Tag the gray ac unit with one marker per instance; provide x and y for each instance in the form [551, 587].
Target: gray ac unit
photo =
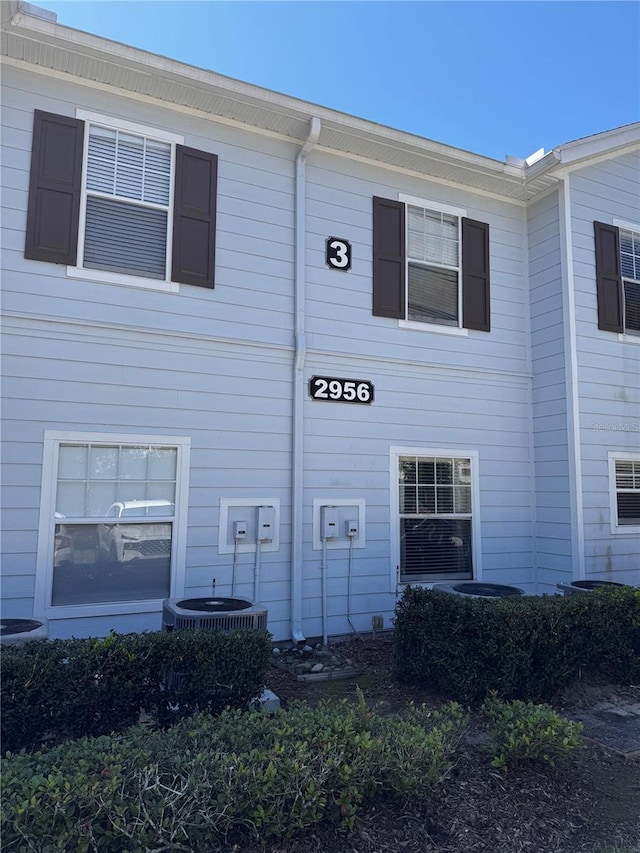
[579, 587]
[479, 589]
[14, 632]
[212, 614]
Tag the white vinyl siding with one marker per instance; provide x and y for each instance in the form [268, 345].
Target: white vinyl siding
[608, 368]
[552, 487]
[78, 355]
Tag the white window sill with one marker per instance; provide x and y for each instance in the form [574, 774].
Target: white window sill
[628, 529]
[433, 328]
[122, 608]
[629, 339]
[448, 579]
[107, 277]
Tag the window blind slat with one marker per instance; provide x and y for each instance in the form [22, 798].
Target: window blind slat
[631, 306]
[629, 508]
[433, 295]
[435, 546]
[128, 166]
[125, 238]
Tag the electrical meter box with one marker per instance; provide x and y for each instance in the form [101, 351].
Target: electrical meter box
[330, 519]
[266, 523]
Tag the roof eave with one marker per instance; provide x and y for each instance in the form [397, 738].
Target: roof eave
[42, 43]
[47, 45]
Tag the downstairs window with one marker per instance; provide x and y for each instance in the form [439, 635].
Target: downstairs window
[435, 518]
[112, 529]
[624, 475]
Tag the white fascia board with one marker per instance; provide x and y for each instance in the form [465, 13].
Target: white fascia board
[575, 154]
[600, 143]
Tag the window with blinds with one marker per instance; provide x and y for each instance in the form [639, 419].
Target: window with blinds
[628, 491]
[630, 267]
[435, 518]
[433, 266]
[128, 193]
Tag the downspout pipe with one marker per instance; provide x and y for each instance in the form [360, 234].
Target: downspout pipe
[576, 496]
[297, 426]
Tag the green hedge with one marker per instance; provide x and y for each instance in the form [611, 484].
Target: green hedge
[524, 647]
[71, 688]
[186, 787]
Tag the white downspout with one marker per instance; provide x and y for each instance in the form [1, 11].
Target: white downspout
[297, 426]
[571, 378]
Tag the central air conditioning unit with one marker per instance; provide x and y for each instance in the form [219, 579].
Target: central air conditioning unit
[478, 589]
[14, 632]
[578, 587]
[212, 614]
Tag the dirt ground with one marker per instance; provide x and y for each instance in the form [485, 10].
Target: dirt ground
[588, 804]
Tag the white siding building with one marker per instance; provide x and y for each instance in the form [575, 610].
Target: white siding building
[224, 308]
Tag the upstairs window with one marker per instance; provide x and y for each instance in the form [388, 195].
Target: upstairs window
[127, 203]
[630, 268]
[430, 265]
[617, 253]
[433, 266]
[121, 203]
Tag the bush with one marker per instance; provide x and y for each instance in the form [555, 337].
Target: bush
[175, 790]
[71, 688]
[524, 647]
[521, 731]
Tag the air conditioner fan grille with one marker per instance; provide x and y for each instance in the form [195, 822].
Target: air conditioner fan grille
[8, 627]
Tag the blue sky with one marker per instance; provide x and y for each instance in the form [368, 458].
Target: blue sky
[495, 78]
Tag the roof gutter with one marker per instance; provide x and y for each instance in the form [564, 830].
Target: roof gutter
[297, 427]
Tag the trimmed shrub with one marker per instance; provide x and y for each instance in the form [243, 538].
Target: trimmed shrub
[174, 790]
[71, 688]
[521, 647]
[521, 731]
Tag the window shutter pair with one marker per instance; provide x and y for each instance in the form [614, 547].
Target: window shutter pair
[389, 262]
[608, 278]
[54, 201]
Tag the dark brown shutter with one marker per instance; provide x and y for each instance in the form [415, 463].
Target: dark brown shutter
[388, 258]
[194, 217]
[54, 189]
[608, 277]
[476, 305]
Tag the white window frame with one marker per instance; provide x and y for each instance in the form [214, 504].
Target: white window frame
[438, 207]
[623, 225]
[395, 452]
[619, 529]
[46, 533]
[79, 271]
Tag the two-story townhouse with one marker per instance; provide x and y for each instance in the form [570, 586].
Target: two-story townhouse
[253, 341]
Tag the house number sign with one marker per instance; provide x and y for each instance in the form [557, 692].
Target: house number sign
[340, 390]
[338, 255]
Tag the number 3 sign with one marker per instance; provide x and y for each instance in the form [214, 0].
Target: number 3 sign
[338, 255]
